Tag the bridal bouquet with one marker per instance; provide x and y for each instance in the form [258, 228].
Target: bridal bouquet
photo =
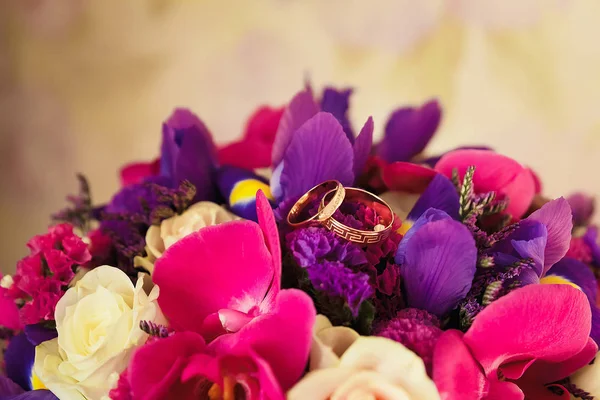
[305, 261]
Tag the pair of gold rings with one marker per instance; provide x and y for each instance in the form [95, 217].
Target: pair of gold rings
[333, 194]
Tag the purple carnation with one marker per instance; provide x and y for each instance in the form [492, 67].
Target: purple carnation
[416, 329]
[312, 245]
[337, 280]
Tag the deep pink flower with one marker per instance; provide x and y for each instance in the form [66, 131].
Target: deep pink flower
[254, 149]
[407, 177]
[221, 286]
[41, 277]
[136, 172]
[494, 172]
[532, 337]
[9, 313]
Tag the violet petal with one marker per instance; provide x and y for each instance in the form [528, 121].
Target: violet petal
[591, 239]
[8, 388]
[38, 333]
[534, 249]
[557, 217]
[440, 194]
[439, 266]
[301, 109]
[430, 215]
[362, 147]
[336, 102]
[408, 131]
[583, 207]
[319, 151]
[19, 358]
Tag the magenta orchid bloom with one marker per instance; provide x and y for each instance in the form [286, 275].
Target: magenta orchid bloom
[494, 173]
[517, 347]
[237, 328]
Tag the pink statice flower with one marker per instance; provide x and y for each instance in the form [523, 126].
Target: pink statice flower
[43, 275]
[234, 328]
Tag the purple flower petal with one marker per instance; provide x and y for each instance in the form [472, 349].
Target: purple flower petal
[440, 194]
[240, 186]
[318, 152]
[534, 249]
[583, 207]
[362, 147]
[430, 215]
[38, 333]
[18, 359]
[301, 109]
[8, 388]
[591, 239]
[557, 217]
[581, 275]
[32, 395]
[188, 152]
[408, 131]
[439, 266]
[336, 102]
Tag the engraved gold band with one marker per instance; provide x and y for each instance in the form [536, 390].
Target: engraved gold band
[383, 211]
[298, 215]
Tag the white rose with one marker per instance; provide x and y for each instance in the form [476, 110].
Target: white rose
[588, 378]
[345, 365]
[98, 328]
[160, 238]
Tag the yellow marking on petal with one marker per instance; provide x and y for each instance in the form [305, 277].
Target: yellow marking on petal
[245, 190]
[406, 225]
[555, 279]
[36, 383]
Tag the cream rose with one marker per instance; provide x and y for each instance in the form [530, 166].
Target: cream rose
[345, 365]
[160, 238]
[98, 328]
[588, 378]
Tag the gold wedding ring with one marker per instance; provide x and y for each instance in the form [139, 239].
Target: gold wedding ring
[384, 212]
[298, 215]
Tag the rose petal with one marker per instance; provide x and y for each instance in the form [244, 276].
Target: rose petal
[301, 109]
[544, 322]
[222, 266]
[455, 372]
[407, 177]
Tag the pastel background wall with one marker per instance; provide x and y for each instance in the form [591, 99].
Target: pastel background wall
[85, 85]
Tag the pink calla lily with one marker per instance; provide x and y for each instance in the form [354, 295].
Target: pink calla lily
[519, 344]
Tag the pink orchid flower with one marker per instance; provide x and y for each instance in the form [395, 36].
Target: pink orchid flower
[494, 172]
[518, 346]
[235, 329]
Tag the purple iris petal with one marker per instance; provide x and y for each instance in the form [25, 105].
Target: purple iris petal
[38, 333]
[228, 177]
[557, 217]
[319, 151]
[439, 266]
[337, 103]
[534, 249]
[440, 194]
[581, 275]
[19, 358]
[8, 388]
[362, 147]
[337, 280]
[583, 207]
[188, 152]
[591, 239]
[131, 198]
[408, 131]
[301, 109]
[430, 215]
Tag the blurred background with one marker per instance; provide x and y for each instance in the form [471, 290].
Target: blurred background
[85, 85]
